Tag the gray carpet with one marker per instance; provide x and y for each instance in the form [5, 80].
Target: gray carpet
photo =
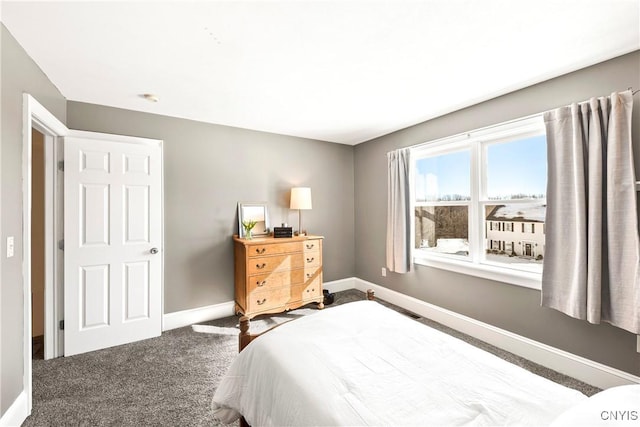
[169, 380]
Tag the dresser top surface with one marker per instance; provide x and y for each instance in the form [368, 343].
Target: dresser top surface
[261, 240]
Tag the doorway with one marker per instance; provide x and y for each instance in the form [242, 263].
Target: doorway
[527, 249]
[37, 244]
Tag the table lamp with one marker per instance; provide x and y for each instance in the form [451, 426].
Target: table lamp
[300, 199]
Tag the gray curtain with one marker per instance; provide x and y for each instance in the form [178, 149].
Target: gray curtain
[591, 265]
[398, 215]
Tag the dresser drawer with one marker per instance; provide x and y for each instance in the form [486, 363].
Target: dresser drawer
[268, 299]
[276, 279]
[311, 290]
[311, 246]
[267, 264]
[259, 250]
[310, 273]
[311, 259]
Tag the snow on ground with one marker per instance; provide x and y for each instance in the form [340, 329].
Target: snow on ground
[461, 247]
[532, 212]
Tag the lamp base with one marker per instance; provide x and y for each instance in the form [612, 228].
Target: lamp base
[300, 231]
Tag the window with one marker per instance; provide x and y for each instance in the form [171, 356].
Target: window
[480, 201]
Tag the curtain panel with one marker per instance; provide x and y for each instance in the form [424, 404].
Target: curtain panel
[398, 215]
[591, 267]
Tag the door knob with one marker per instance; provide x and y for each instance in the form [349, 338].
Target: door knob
[154, 251]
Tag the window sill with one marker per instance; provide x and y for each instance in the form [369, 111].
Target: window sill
[525, 279]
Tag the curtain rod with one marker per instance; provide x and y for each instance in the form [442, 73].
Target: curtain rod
[466, 134]
[458, 135]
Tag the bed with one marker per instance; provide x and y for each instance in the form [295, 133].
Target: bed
[364, 364]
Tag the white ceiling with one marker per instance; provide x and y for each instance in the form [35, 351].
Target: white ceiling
[340, 71]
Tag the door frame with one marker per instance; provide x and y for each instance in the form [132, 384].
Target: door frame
[35, 116]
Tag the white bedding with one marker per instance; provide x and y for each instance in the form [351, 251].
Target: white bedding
[364, 364]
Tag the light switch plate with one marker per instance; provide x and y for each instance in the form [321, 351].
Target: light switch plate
[10, 246]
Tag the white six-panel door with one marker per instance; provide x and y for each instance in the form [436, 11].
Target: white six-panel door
[113, 242]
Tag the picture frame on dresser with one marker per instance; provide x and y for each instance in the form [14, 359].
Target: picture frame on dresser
[254, 211]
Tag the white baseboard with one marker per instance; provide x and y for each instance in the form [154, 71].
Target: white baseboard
[340, 285]
[16, 413]
[578, 367]
[179, 319]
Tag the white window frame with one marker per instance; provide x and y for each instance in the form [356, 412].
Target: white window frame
[476, 141]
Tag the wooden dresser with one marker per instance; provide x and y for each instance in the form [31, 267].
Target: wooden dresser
[275, 275]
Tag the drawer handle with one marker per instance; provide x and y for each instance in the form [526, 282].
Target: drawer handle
[310, 246]
[310, 259]
[261, 302]
[312, 290]
[309, 275]
[260, 251]
[260, 267]
[260, 284]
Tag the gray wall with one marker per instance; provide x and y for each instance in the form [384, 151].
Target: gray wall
[506, 306]
[19, 74]
[208, 169]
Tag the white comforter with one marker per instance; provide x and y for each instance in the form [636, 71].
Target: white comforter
[364, 364]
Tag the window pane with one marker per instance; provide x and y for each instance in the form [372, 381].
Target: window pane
[443, 178]
[517, 169]
[514, 235]
[442, 229]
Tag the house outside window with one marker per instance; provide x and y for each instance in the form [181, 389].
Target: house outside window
[527, 244]
[480, 202]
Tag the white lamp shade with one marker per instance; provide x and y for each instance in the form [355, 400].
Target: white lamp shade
[300, 198]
